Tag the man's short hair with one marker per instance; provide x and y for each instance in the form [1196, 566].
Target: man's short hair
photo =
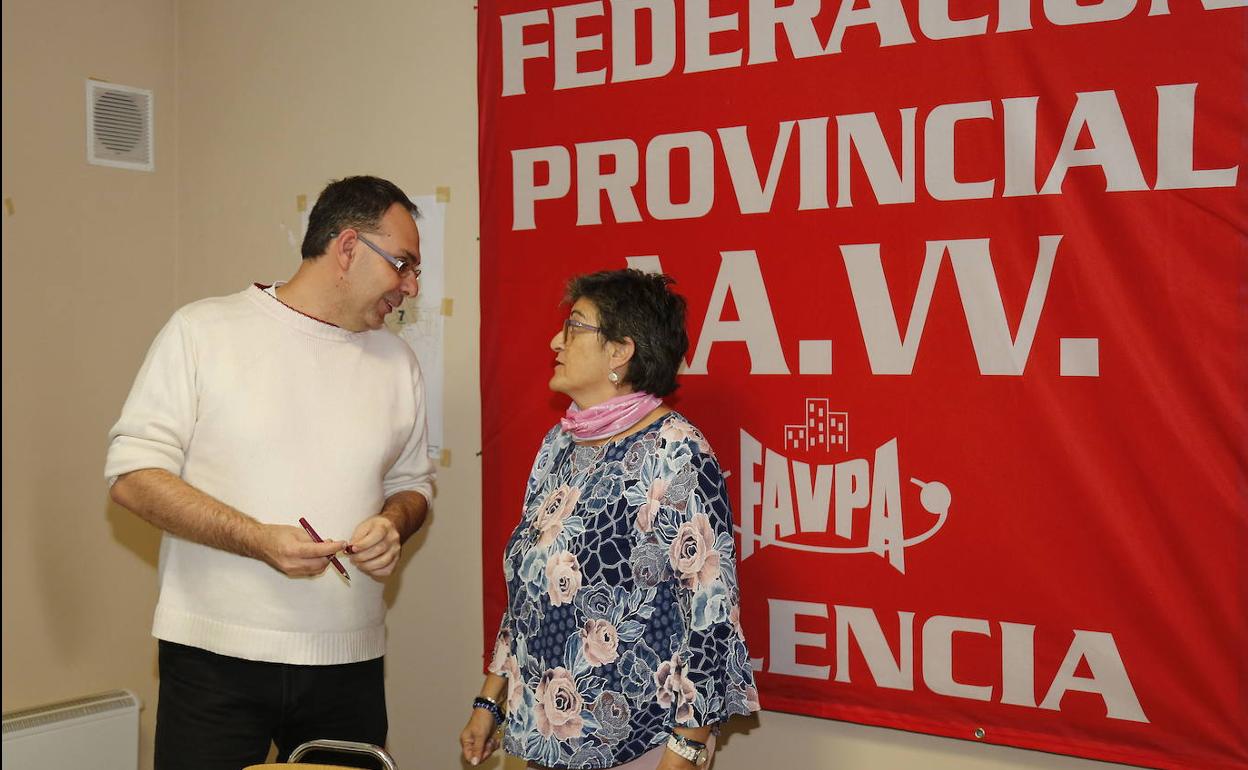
[358, 202]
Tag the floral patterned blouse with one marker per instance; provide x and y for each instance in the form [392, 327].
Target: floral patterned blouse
[622, 616]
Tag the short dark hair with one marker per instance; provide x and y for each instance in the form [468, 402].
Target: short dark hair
[640, 306]
[357, 201]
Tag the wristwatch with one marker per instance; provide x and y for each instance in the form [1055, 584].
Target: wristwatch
[691, 750]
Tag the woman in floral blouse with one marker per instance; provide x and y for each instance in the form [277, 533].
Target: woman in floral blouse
[621, 644]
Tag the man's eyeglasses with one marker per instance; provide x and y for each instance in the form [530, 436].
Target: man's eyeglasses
[403, 265]
[569, 324]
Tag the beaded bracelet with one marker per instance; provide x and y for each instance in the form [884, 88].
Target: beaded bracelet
[490, 706]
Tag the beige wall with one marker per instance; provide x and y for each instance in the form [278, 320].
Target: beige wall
[257, 103]
[89, 271]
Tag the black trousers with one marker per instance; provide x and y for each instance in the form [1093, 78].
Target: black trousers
[221, 713]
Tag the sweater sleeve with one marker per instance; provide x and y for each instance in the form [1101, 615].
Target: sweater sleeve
[413, 470]
[159, 415]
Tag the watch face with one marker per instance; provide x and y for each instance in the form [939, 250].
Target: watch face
[699, 759]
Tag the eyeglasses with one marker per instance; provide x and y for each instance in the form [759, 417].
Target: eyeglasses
[402, 265]
[569, 324]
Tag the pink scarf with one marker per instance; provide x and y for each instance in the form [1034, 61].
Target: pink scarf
[612, 416]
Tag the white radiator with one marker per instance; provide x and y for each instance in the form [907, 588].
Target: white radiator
[99, 732]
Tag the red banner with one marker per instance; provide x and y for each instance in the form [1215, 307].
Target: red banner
[968, 298]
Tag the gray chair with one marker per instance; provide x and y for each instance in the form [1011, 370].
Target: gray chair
[383, 758]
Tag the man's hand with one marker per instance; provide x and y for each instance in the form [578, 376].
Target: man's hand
[375, 546]
[180, 509]
[293, 552]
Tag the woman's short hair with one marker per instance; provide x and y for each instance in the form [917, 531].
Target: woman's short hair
[641, 307]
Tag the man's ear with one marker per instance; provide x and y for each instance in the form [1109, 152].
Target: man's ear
[342, 248]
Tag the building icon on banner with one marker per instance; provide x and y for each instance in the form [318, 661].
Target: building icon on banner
[822, 428]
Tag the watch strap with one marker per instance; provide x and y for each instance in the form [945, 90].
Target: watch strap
[685, 748]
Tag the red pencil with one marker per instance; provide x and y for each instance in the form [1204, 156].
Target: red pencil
[333, 559]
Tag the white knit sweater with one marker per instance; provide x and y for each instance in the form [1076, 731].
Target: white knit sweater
[280, 416]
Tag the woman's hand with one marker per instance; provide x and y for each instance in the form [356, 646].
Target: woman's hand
[673, 761]
[478, 739]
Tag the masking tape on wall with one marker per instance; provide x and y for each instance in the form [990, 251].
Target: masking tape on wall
[445, 458]
[448, 306]
[443, 194]
[301, 203]
[8, 206]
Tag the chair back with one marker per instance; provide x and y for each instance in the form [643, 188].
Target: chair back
[297, 766]
[384, 760]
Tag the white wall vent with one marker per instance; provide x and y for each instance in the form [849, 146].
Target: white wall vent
[100, 732]
[119, 126]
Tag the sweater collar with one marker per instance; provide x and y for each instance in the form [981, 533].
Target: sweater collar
[302, 322]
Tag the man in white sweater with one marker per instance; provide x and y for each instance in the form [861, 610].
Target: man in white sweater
[251, 412]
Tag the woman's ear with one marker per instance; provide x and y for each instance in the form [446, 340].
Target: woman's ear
[621, 352]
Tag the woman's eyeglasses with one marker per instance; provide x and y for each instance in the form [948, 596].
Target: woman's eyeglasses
[569, 324]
